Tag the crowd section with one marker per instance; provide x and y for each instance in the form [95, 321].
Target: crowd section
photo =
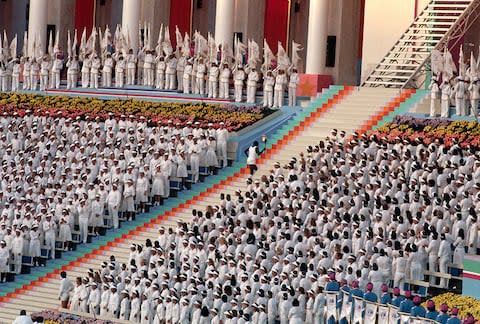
[60, 174]
[197, 66]
[353, 214]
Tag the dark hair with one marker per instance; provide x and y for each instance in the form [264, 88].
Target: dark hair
[63, 274]
[23, 312]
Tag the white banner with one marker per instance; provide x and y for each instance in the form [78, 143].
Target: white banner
[383, 314]
[370, 313]
[332, 305]
[393, 315]
[346, 307]
[357, 310]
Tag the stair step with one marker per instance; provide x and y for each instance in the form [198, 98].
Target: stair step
[424, 35]
[384, 83]
[435, 29]
[394, 71]
[414, 46]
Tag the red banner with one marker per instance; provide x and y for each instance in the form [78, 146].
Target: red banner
[84, 15]
[180, 15]
[276, 23]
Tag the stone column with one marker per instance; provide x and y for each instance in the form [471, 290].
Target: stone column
[224, 22]
[131, 20]
[37, 25]
[317, 36]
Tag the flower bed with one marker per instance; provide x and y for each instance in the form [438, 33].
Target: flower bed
[448, 132]
[56, 317]
[158, 113]
[465, 304]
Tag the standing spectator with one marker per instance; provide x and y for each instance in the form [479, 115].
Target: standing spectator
[66, 286]
[23, 318]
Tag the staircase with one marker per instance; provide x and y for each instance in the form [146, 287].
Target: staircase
[441, 23]
[349, 109]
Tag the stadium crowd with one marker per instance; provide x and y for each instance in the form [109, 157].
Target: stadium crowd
[58, 173]
[361, 214]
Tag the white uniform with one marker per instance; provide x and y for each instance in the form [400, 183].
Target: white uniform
[44, 72]
[280, 82]
[171, 73]
[83, 218]
[26, 75]
[113, 201]
[56, 69]
[96, 65]
[434, 96]
[94, 301]
[186, 78]
[446, 91]
[213, 82]
[161, 67]
[474, 90]
[238, 77]
[107, 72]
[87, 64]
[222, 142]
[292, 89]
[459, 90]
[119, 73]
[224, 81]
[252, 86]
[268, 84]
[72, 73]
[16, 77]
[148, 70]
[17, 252]
[66, 287]
[34, 69]
[49, 233]
[201, 70]
[131, 64]
[4, 258]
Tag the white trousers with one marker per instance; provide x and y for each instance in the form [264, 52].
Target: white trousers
[17, 262]
[50, 242]
[460, 107]
[238, 93]
[445, 108]
[85, 79]
[113, 212]
[130, 76]
[43, 82]
[223, 90]
[26, 82]
[170, 81]
[148, 76]
[94, 80]
[180, 77]
[195, 167]
[432, 266]
[292, 96]
[268, 98]
[278, 98]
[4, 83]
[83, 222]
[212, 89]
[160, 80]
[474, 107]
[442, 265]
[107, 79]
[34, 82]
[72, 80]
[15, 82]
[56, 80]
[251, 93]
[433, 103]
[200, 86]
[119, 76]
[186, 85]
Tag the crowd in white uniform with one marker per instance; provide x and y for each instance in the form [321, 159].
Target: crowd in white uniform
[57, 173]
[363, 208]
[204, 69]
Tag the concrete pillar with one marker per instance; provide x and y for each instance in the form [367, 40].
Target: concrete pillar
[317, 36]
[224, 22]
[130, 20]
[37, 24]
